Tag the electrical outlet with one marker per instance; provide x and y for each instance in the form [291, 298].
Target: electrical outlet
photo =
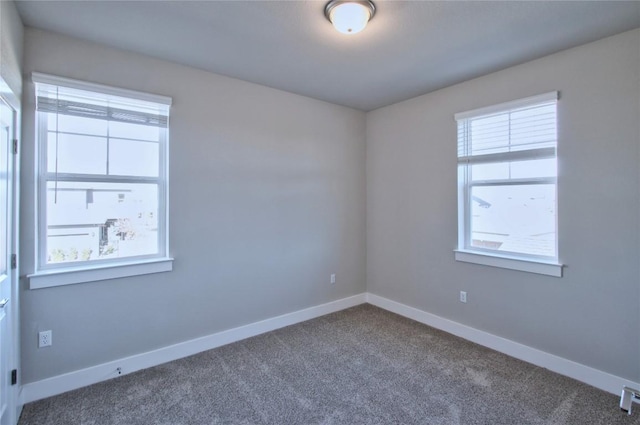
[333, 278]
[463, 297]
[44, 339]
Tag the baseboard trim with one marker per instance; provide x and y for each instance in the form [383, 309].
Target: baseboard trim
[588, 375]
[92, 375]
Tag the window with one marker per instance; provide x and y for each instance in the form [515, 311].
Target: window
[102, 181]
[507, 185]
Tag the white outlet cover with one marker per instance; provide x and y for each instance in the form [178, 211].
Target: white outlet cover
[44, 339]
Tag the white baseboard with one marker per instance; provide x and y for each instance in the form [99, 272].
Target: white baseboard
[594, 377]
[91, 375]
[81, 378]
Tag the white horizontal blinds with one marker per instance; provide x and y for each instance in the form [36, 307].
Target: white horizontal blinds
[93, 129]
[524, 130]
[80, 103]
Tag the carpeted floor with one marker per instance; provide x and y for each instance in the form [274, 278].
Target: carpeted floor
[358, 366]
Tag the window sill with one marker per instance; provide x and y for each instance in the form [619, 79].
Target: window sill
[70, 276]
[531, 266]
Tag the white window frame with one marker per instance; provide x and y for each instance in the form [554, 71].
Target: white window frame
[48, 275]
[515, 261]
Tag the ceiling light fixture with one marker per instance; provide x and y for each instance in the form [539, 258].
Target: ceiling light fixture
[349, 16]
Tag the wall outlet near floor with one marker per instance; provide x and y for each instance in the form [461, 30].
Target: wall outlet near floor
[463, 297]
[333, 278]
[44, 339]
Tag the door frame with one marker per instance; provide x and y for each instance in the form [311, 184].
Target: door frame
[12, 99]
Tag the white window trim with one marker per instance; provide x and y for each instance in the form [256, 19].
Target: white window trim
[47, 276]
[54, 80]
[510, 261]
[69, 276]
[501, 107]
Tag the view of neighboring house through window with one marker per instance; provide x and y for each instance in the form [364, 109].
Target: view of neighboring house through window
[507, 179]
[102, 173]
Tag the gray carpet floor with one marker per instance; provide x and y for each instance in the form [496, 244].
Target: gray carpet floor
[363, 365]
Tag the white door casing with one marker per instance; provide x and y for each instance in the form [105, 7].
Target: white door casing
[8, 278]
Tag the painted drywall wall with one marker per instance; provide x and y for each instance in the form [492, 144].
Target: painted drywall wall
[11, 41]
[591, 315]
[267, 199]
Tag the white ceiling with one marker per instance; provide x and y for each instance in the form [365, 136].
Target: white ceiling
[409, 48]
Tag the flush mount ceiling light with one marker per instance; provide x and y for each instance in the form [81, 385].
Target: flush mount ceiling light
[349, 16]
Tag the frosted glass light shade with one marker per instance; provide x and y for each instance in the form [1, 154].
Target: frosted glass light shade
[349, 17]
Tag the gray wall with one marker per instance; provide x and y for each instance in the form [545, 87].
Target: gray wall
[591, 315]
[267, 199]
[11, 40]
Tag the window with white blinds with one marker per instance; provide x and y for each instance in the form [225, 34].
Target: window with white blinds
[507, 179]
[102, 174]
